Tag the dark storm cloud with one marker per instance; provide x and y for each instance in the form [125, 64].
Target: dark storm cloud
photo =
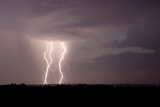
[128, 62]
[121, 68]
[73, 19]
[144, 18]
[145, 33]
[90, 19]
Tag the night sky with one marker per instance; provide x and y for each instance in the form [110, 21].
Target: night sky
[108, 41]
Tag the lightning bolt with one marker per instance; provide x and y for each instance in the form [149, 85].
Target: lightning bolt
[60, 62]
[48, 54]
[50, 49]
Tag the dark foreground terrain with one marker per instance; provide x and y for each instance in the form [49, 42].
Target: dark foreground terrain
[81, 87]
[81, 91]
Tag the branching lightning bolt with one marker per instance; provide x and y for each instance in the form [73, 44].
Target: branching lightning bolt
[60, 62]
[49, 61]
[50, 49]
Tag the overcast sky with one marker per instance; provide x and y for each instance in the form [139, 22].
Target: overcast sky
[108, 41]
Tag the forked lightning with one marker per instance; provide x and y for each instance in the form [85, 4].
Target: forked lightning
[49, 60]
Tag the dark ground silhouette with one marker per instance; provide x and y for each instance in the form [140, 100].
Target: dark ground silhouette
[80, 91]
[81, 87]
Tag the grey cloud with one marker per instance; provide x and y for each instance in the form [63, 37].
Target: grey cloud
[125, 68]
[89, 54]
[145, 33]
[125, 62]
[72, 19]
[93, 20]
